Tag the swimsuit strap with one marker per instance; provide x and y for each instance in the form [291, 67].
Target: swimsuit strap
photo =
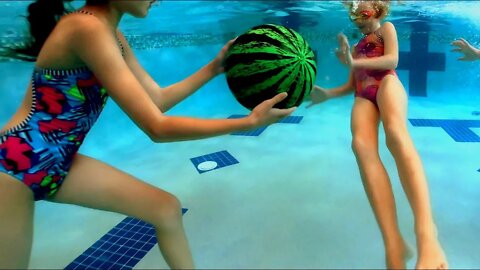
[378, 36]
[83, 12]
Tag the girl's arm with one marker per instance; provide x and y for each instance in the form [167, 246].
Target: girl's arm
[167, 97]
[319, 94]
[343, 90]
[95, 44]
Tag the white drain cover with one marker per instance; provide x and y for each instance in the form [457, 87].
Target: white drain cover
[207, 165]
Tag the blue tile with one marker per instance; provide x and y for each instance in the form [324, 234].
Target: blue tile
[139, 245]
[97, 253]
[73, 266]
[135, 259]
[105, 256]
[121, 241]
[109, 265]
[222, 158]
[121, 248]
[143, 229]
[236, 116]
[255, 132]
[258, 131]
[132, 262]
[113, 238]
[419, 61]
[87, 260]
[459, 130]
[124, 249]
[131, 251]
[146, 238]
[286, 120]
[152, 240]
[250, 133]
[129, 234]
[291, 120]
[123, 260]
[115, 230]
[115, 248]
[98, 245]
[115, 257]
[96, 264]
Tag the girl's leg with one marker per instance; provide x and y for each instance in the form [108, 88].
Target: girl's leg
[392, 101]
[365, 121]
[94, 184]
[16, 223]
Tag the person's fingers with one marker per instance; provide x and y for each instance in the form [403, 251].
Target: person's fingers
[464, 41]
[279, 97]
[284, 112]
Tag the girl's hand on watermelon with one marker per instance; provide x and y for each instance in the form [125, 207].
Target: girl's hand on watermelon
[317, 95]
[218, 66]
[264, 114]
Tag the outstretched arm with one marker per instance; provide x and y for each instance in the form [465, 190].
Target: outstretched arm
[167, 97]
[95, 44]
[342, 90]
[319, 94]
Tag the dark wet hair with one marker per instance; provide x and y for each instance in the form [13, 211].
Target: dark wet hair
[42, 17]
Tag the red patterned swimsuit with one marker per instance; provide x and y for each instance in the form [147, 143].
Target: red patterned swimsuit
[368, 81]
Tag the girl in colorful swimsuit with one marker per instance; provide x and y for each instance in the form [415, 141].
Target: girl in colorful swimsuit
[380, 96]
[82, 59]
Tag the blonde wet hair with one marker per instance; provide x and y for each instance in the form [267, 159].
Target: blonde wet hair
[382, 7]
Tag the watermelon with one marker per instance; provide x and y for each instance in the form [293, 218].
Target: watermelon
[267, 60]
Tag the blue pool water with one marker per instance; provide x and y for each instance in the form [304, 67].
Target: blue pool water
[294, 197]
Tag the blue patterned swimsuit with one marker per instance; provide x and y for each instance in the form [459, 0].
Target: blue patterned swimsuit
[40, 150]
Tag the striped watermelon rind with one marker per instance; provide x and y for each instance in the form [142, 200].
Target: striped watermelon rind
[267, 60]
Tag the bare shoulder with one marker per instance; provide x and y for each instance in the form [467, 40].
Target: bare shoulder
[59, 50]
[79, 23]
[387, 27]
[81, 28]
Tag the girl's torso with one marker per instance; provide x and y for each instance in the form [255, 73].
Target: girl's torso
[367, 81]
[61, 105]
[56, 54]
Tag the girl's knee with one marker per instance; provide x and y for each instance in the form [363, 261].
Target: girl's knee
[166, 210]
[362, 145]
[395, 134]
